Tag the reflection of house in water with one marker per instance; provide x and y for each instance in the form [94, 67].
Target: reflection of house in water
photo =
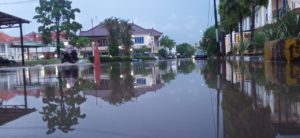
[138, 80]
[272, 86]
[12, 112]
[122, 86]
[11, 83]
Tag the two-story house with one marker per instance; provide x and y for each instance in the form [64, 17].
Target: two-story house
[263, 16]
[141, 37]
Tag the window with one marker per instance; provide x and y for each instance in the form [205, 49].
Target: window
[141, 81]
[102, 42]
[2, 48]
[139, 40]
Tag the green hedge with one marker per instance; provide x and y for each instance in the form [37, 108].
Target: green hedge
[144, 58]
[113, 59]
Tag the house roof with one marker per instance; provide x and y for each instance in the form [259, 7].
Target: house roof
[5, 38]
[101, 30]
[36, 37]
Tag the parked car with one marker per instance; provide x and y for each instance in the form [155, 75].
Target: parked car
[200, 55]
[171, 56]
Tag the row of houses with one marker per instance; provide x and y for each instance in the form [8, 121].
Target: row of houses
[10, 47]
[263, 16]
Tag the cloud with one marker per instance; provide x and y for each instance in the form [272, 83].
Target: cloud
[190, 25]
[144, 23]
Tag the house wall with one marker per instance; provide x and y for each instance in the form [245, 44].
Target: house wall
[149, 41]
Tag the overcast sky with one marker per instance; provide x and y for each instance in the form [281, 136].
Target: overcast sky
[182, 20]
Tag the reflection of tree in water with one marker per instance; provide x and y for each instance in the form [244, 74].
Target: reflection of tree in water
[210, 72]
[186, 67]
[142, 68]
[167, 75]
[62, 110]
[122, 84]
[163, 65]
[241, 119]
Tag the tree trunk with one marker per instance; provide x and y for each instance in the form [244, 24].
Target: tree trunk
[57, 39]
[231, 40]
[241, 30]
[252, 27]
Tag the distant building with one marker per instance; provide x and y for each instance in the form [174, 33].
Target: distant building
[141, 37]
[34, 48]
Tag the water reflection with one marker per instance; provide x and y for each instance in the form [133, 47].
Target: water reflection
[11, 112]
[259, 100]
[61, 109]
[255, 100]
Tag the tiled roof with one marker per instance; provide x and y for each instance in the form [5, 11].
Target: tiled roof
[101, 30]
[4, 38]
[35, 37]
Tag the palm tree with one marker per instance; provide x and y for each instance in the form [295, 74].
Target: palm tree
[254, 4]
[241, 8]
[229, 19]
[126, 33]
[113, 27]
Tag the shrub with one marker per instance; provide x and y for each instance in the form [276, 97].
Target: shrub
[242, 47]
[162, 53]
[259, 40]
[112, 59]
[144, 58]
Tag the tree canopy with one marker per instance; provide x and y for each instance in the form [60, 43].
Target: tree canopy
[167, 42]
[208, 43]
[57, 16]
[120, 32]
[185, 50]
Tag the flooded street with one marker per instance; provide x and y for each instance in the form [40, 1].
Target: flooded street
[167, 99]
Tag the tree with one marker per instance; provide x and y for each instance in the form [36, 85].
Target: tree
[120, 32]
[162, 53]
[113, 27]
[254, 4]
[241, 8]
[56, 16]
[167, 42]
[126, 33]
[208, 43]
[229, 19]
[185, 49]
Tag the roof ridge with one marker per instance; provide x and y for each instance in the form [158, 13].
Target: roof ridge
[139, 26]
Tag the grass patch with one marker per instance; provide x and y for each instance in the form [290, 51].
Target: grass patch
[144, 58]
[113, 59]
[43, 62]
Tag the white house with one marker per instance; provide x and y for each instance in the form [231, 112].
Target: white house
[141, 37]
[263, 16]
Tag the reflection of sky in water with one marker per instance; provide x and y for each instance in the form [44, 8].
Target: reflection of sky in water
[181, 106]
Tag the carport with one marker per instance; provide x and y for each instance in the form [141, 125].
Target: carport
[8, 21]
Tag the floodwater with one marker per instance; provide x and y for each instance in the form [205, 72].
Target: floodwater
[168, 99]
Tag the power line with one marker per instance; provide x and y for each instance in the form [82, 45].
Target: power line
[17, 2]
[208, 16]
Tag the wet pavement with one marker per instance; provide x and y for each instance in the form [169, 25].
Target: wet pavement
[167, 99]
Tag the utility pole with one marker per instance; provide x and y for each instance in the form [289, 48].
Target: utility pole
[217, 29]
[277, 9]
